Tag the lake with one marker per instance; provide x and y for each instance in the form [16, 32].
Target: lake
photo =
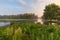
[4, 23]
[7, 22]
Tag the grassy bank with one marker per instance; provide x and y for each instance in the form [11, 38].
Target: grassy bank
[30, 31]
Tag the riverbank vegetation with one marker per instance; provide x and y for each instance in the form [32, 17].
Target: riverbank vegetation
[30, 31]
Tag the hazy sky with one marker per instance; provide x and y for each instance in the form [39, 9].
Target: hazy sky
[9, 7]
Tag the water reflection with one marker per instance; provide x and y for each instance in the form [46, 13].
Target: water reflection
[4, 23]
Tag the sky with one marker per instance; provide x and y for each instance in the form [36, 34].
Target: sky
[13, 7]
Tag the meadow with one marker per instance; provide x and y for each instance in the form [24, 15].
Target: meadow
[30, 31]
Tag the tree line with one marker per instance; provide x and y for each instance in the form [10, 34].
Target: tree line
[26, 17]
[20, 16]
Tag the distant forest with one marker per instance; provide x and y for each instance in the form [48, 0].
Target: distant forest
[20, 16]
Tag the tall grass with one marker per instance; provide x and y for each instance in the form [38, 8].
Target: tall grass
[30, 31]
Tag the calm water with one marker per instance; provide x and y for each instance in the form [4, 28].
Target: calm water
[4, 23]
[7, 23]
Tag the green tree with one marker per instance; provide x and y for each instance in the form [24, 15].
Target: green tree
[51, 13]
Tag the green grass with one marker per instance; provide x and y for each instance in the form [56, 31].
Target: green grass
[30, 31]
